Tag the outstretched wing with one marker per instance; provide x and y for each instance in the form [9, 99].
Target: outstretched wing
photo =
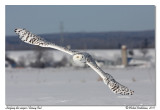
[108, 79]
[30, 38]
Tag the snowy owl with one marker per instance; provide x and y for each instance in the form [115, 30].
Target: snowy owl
[82, 57]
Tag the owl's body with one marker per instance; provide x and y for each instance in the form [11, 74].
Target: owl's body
[79, 57]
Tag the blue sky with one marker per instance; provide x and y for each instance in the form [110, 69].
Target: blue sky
[76, 18]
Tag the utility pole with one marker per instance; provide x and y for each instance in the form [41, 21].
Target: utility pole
[61, 32]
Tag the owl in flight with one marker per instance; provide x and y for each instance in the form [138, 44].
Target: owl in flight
[81, 57]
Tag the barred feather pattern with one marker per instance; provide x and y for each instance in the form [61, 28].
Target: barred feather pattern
[30, 38]
[113, 85]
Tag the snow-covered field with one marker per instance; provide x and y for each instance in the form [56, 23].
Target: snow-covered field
[78, 86]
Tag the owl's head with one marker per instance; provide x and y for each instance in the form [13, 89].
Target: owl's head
[79, 58]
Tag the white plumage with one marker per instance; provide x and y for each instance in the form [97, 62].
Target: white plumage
[81, 57]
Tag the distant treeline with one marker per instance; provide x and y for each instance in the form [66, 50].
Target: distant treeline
[91, 40]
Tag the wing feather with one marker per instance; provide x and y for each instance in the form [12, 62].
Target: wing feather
[113, 85]
[30, 38]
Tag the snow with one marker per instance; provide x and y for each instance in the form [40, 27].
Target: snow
[69, 86]
[79, 86]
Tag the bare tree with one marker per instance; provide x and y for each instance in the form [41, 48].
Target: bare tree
[42, 59]
[21, 61]
[144, 47]
[144, 51]
[61, 63]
